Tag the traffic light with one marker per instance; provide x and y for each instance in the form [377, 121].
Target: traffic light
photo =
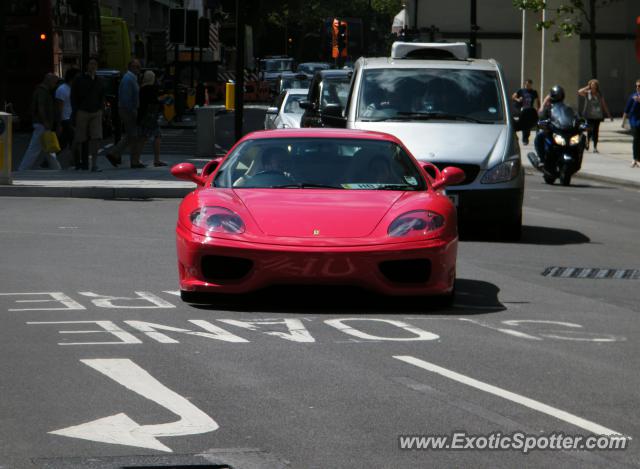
[335, 31]
[638, 39]
[203, 33]
[191, 29]
[343, 38]
[176, 26]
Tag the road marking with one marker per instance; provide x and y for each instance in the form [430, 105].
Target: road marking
[69, 303]
[511, 396]
[107, 327]
[297, 331]
[121, 430]
[214, 332]
[419, 334]
[106, 301]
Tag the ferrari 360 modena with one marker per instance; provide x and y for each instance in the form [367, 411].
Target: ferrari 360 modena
[320, 207]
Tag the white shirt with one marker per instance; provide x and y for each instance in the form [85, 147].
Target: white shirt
[63, 93]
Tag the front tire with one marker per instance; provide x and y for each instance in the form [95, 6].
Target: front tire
[565, 177]
[549, 179]
[195, 297]
[512, 231]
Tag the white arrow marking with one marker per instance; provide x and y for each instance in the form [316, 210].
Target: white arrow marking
[121, 430]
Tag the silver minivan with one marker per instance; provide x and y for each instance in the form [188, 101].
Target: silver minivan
[448, 110]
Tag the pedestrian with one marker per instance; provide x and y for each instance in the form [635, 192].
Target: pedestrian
[138, 49]
[526, 101]
[595, 107]
[87, 103]
[148, 115]
[63, 103]
[43, 119]
[632, 113]
[128, 104]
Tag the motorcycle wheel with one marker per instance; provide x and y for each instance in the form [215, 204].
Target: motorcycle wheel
[565, 177]
[549, 179]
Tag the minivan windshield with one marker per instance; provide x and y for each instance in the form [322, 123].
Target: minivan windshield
[420, 94]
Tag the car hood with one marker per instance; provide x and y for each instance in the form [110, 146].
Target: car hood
[317, 213]
[480, 144]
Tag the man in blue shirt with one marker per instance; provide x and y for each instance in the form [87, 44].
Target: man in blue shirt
[632, 112]
[128, 103]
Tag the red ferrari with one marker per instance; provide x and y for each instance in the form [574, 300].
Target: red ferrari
[317, 206]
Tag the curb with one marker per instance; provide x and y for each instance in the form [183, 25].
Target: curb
[106, 193]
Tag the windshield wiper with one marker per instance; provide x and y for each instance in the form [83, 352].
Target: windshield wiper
[440, 115]
[305, 185]
[396, 187]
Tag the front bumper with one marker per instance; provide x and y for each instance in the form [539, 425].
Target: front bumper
[430, 266]
[489, 205]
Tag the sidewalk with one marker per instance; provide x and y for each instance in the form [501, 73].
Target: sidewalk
[611, 165]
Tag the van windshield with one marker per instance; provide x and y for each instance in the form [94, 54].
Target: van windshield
[430, 94]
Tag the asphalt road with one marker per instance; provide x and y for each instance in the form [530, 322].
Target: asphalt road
[92, 331]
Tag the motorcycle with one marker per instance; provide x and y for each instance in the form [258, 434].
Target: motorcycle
[564, 145]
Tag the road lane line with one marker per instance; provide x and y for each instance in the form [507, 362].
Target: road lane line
[511, 396]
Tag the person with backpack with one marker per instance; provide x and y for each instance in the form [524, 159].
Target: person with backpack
[632, 114]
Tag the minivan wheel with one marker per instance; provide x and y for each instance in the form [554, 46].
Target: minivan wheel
[512, 230]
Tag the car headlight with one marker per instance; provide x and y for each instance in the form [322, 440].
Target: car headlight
[559, 139]
[503, 172]
[217, 220]
[416, 222]
[575, 139]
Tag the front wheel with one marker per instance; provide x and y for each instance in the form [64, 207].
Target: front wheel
[512, 231]
[196, 297]
[565, 177]
[549, 179]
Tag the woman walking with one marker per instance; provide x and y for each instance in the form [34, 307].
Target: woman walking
[594, 109]
[632, 112]
[148, 114]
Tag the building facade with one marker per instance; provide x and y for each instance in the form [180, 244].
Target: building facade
[510, 36]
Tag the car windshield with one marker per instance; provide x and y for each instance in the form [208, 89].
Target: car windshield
[312, 68]
[288, 83]
[331, 163]
[292, 106]
[430, 94]
[274, 65]
[335, 91]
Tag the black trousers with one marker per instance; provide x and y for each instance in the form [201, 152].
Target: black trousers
[636, 143]
[594, 130]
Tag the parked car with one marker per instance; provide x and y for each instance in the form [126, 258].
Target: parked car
[449, 110]
[288, 112]
[328, 87]
[317, 206]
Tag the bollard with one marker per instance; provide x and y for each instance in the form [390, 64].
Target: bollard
[230, 96]
[6, 142]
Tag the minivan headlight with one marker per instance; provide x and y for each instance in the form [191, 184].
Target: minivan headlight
[503, 172]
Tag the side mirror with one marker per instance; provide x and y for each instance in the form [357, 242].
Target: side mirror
[304, 104]
[432, 170]
[272, 110]
[331, 116]
[187, 172]
[449, 176]
[210, 167]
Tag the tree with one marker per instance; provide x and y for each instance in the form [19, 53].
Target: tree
[568, 20]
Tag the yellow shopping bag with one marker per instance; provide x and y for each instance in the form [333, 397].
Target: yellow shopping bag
[50, 142]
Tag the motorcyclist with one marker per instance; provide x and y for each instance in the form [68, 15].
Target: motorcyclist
[554, 98]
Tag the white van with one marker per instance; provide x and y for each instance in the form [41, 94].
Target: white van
[448, 110]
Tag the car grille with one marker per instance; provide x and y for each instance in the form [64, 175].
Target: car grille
[470, 170]
[224, 268]
[406, 270]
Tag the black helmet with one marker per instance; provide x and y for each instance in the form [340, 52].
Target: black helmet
[556, 94]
